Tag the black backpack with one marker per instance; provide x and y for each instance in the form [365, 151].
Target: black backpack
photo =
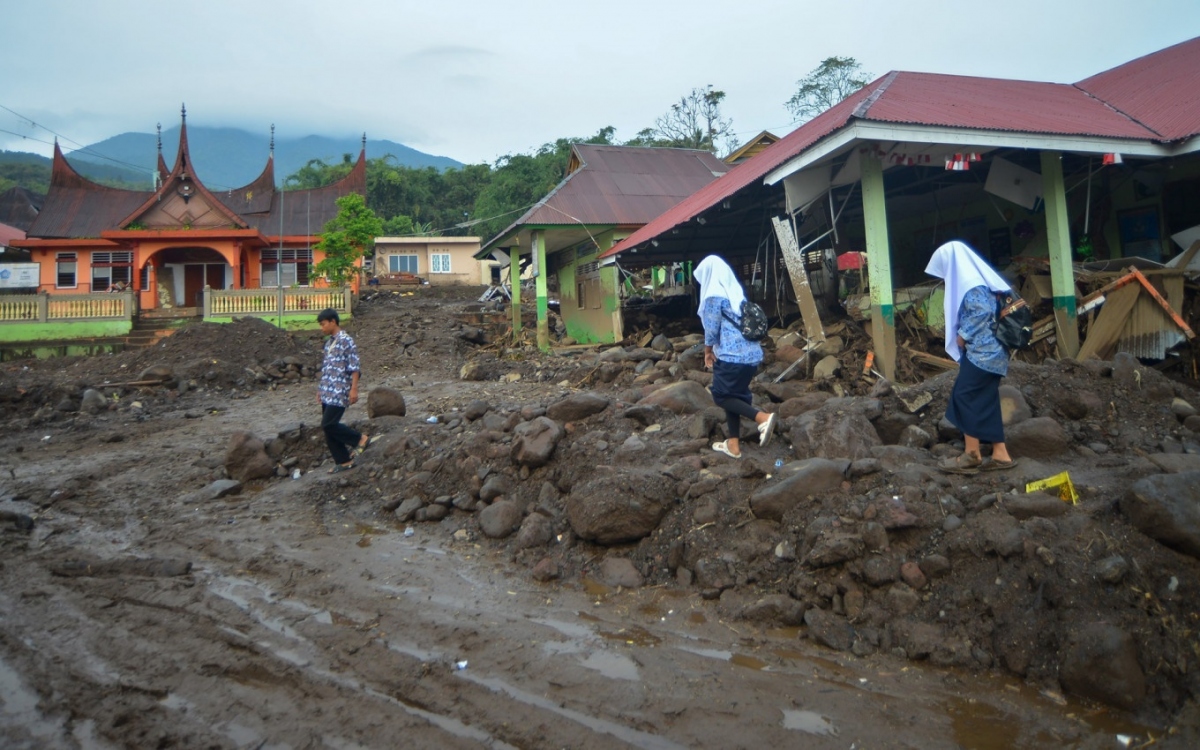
[1014, 321]
[753, 325]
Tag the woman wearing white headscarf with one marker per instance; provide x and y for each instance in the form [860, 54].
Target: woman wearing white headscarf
[970, 311]
[733, 359]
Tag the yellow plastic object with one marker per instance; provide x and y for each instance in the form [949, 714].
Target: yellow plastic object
[1066, 490]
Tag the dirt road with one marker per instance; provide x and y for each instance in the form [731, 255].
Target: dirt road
[137, 613]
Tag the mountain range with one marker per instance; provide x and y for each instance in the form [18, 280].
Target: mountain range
[226, 158]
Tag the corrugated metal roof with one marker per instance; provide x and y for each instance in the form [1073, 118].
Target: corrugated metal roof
[305, 212]
[621, 186]
[996, 104]
[8, 234]
[1153, 87]
[1160, 90]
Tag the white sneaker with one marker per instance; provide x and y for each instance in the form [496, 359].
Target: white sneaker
[766, 430]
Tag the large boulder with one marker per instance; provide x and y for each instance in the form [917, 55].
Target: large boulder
[621, 506]
[385, 402]
[577, 406]
[683, 397]
[832, 432]
[1013, 407]
[500, 519]
[795, 483]
[534, 441]
[247, 459]
[1101, 663]
[1166, 507]
[1039, 437]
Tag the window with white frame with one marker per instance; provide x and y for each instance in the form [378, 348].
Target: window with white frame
[439, 262]
[285, 266]
[111, 268]
[65, 265]
[402, 264]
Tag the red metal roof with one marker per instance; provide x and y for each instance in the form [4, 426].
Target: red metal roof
[8, 234]
[1161, 93]
[621, 186]
[1160, 90]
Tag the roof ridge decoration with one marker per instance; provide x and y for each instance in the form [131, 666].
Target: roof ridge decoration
[864, 107]
[185, 185]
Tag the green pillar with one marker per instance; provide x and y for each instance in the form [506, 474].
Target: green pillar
[514, 278]
[879, 267]
[537, 246]
[1058, 240]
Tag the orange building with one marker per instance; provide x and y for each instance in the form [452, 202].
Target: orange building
[170, 243]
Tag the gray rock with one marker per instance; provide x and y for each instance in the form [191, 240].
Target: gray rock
[879, 571]
[1174, 463]
[834, 549]
[1182, 409]
[796, 482]
[494, 486]
[161, 373]
[1013, 407]
[804, 402]
[476, 409]
[645, 415]
[577, 406]
[431, 513]
[1039, 437]
[93, 401]
[1192, 423]
[914, 437]
[1112, 570]
[662, 344]
[902, 600]
[246, 458]
[713, 574]
[829, 629]
[830, 432]
[619, 571]
[218, 489]
[827, 368]
[621, 506]
[1034, 504]
[1166, 507]
[772, 608]
[536, 531]
[408, 509]
[684, 397]
[534, 442]
[385, 402]
[500, 519]
[632, 444]
[1101, 663]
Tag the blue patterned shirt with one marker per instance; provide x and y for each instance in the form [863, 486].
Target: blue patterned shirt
[976, 324]
[723, 335]
[341, 360]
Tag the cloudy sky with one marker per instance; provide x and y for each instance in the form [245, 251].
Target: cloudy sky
[477, 79]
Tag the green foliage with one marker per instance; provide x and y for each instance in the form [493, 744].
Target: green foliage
[317, 173]
[694, 121]
[29, 171]
[826, 85]
[346, 238]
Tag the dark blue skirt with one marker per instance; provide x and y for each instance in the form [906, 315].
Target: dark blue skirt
[731, 380]
[974, 404]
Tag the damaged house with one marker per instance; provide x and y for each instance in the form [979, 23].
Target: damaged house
[1036, 176]
[609, 193]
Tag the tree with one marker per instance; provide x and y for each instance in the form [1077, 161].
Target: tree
[346, 238]
[826, 85]
[694, 121]
[316, 173]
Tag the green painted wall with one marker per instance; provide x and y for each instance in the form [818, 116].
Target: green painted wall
[63, 331]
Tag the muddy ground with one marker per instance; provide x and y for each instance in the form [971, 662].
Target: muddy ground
[558, 560]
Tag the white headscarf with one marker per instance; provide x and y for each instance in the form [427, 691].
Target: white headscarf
[718, 280]
[962, 270]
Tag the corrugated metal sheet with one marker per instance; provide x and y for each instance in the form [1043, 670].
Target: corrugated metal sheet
[1148, 332]
[305, 212]
[1160, 90]
[254, 198]
[996, 104]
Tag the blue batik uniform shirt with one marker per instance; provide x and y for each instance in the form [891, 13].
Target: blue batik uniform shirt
[341, 360]
[976, 321]
[723, 335]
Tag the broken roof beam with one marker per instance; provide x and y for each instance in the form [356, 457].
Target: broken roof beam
[794, 259]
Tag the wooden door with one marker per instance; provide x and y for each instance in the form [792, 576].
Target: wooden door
[193, 285]
[214, 275]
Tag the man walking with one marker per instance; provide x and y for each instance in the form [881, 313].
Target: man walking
[338, 390]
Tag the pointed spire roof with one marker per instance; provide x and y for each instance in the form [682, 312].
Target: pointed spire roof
[77, 207]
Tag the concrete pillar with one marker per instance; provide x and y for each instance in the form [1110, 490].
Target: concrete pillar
[514, 277]
[879, 267]
[537, 246]
[1058, 241]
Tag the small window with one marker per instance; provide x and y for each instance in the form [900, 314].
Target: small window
[402, 264]
[579, 295]
[144, 282]
[65, 269]
[439, 262]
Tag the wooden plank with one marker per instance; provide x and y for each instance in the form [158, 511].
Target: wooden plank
[1102, 337]
[813, 330]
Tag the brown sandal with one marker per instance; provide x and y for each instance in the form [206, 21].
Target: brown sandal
[961, 464]
[993, 465]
